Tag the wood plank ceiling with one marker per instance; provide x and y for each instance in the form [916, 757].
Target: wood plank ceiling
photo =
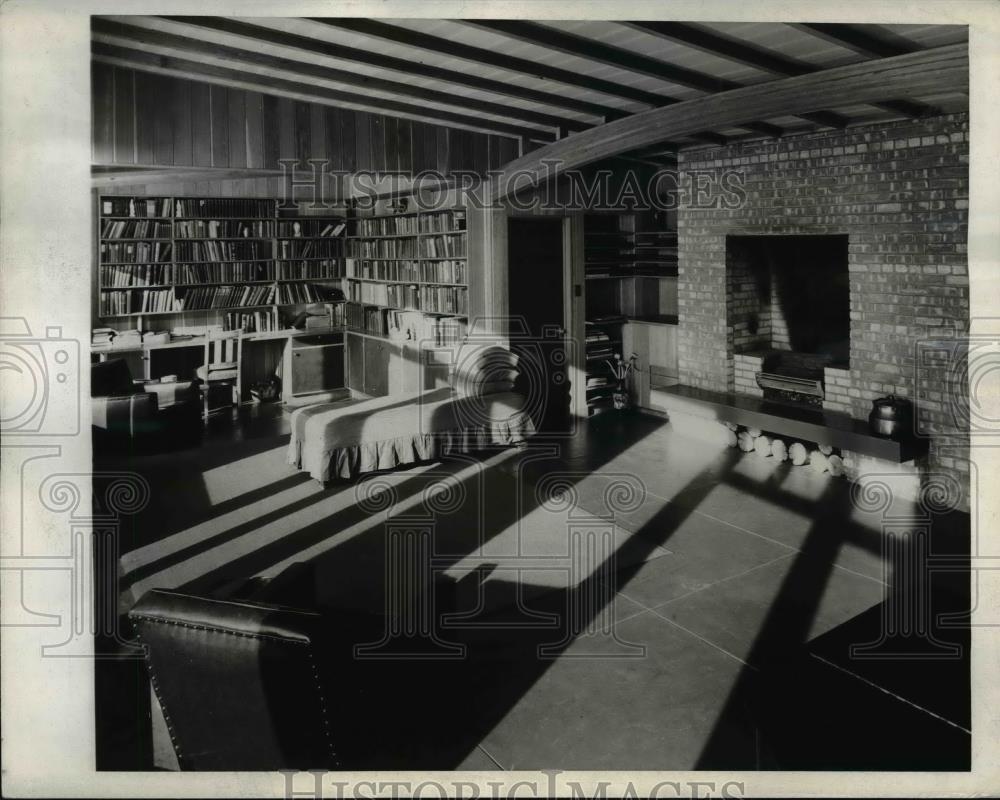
[536, 81]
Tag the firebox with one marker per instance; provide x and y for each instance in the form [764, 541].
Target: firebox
[788, 304]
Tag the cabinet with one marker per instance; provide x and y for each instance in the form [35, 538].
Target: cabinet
[655, 347]
[378, 367]
[317, 363]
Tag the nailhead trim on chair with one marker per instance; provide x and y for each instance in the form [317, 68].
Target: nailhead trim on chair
[212, 629]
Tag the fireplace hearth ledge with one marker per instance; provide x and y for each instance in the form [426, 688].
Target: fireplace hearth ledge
[832, 428]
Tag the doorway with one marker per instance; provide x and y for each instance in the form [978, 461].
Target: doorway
[536, 297]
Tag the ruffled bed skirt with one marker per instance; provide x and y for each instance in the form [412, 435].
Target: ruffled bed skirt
[349, 462]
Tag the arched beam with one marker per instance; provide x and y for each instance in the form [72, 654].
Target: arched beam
[939, 70]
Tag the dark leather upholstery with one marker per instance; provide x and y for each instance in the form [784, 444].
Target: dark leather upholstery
[241, 684]
[123, 412]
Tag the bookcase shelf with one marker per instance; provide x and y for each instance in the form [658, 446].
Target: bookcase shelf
[396, 279]
[261, 234]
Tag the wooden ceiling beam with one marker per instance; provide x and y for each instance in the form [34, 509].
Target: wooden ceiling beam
[940, 70]
[857, 38]
[593, 50]
[169, 44]
[624, 59]
[357, 55]
[715, 44]
[763, 59]
[209, 73]
[482, 55]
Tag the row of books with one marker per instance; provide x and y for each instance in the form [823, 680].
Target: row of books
[124, 276]
[223, 251]
[136, 207]
[310, 227]
[307, 248]
[219, 207]
[121, 276]
[442, 247]
[420, 271]
[292, 270]
[382, 248]
[222, 228]
[292, 293]
[366, 319]
[410, 224]
[250, 321]
[225, 297]
[135, 252]
[437, 246]
[141, 302]
[436, 299]
[134, 229]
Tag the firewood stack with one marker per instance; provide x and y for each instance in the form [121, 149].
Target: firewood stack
[819, 458]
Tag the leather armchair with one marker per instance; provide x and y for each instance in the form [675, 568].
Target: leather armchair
[125, 411]
[242, 685]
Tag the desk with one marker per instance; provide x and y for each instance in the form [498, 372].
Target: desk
[262, 354]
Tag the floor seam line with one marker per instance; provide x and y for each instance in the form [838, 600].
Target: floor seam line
[723, 580]
[703, 639]
[489, 755]
[882, 689]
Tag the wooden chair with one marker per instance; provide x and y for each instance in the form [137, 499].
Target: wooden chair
[221, 367]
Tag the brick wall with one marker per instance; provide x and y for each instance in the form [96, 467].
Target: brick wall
[900, 192]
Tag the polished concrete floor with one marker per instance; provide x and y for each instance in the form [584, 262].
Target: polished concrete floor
[628, 598]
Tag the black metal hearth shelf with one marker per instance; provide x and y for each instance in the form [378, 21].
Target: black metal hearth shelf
[823, 427]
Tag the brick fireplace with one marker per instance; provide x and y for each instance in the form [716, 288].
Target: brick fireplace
[895, 197]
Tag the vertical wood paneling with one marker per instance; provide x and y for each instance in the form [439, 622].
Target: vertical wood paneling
[124, 116]
[181, 112]
[303, 132]
[456, 149]
[253, 109]
[317, 135]
[404, 144]
[480, 152]
[349, 126]
[430, 146]
[494, 144]
[362, 141]
[201, 124]
[156, 119]
[286, 128]
[376, 139]
[272, 134]
[508, 150]
[146, 103]
[102, 83]
[219, 100]
[163, 123]
[237, 127]
[334, 138]
[443, 150]
[417, 146]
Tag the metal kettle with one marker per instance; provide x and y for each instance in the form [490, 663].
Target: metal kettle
[891, 416]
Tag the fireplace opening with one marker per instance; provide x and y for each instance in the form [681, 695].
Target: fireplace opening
[788, 302]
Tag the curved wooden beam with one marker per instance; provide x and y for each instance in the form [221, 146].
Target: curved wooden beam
[938, 70]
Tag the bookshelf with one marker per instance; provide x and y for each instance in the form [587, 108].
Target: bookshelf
[406, 275]
[630, 266]
[238, 260]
